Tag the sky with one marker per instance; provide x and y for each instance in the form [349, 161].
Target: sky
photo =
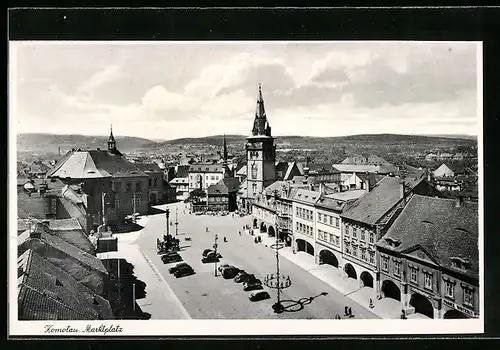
[169, 90]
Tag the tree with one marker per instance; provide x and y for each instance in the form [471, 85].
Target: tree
[195, 195]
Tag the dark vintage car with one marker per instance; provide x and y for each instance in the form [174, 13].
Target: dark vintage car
[184, 271]
[246, 277]
[210, 258]
[259, 296]
[222, 267]
[252, 285]
[171, 257]
[206, 252]
[180, 265]
[230, 272]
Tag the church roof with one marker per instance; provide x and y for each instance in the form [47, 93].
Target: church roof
[93, 164]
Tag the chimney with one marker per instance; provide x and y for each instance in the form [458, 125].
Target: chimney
[321, 188]
[459, 201]
[402, 189]
[36, 232]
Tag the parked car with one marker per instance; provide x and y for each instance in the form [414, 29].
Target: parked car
[252, 285]
[246, 277]
[210, 258]
[242, 272]
[170, 258]
[230, 272]
[176, 267]
[259, 296]
[223, 266]
[184, 271]
[206, 252]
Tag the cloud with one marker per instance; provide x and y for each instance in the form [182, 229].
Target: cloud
[158, 98]
[99, 78]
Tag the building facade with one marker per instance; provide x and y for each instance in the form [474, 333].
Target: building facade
[201, 176]
[304, 221]
[428, 260]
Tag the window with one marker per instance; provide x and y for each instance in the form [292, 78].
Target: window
[137, 202]
[337, 223]
[150, 182]
[468, 296]
[117, 187]
[347, 230]
[331, 220]
[297, 226]
[385, 263]
[413, 275]
[449, 289]
[297, 211]
[320, 235]
[337, 241]
[128, 187]
[354, 232]
[363, 235]
[212, 178]
[138, 186]
[372, 237]
[428, 281]
[320, 217]
[363, 253]
[348, 248]
[155, 182]
[372, 257]
[397, 267]
[117, 203]
[355, 251]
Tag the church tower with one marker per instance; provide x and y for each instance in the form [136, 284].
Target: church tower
[227, 171]
[111, 141]
[261, 152]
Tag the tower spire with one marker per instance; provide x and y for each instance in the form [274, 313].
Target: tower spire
[224, 151]
[260, 125]
[111, 140]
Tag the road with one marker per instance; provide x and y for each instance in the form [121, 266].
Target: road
[205, 296]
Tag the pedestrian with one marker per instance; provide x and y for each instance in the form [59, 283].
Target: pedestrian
[346, 311]
[337, 317]
[370, 305]
[239, 232]
[350, 312]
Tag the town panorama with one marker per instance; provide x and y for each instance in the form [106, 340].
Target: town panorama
[254, 226]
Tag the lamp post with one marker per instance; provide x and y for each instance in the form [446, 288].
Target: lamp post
[215, 249]
[278, 281]
[167, 215]
[176, 221]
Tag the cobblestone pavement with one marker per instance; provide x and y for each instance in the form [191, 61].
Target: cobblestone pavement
[205, 296]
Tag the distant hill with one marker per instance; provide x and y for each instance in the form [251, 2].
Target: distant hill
[49, 143]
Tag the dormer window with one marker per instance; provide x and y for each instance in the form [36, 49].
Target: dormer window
[459, 263]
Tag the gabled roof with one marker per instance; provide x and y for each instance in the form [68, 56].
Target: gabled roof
[306, 196]
[94, 164]
[442, 228]
[224, 186]
[44, 277]
[60, 244]
[242, 171]
[371, 207]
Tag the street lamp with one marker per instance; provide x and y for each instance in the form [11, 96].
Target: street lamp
[215, 249]
[167, 214]
[277, 281]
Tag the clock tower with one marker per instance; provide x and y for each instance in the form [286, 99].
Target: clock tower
[261, 152]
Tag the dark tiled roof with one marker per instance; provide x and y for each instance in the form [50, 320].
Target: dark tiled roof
[224, 186]
[34, 305]
[376, 203]
[208, 168]
[41, 275]
[372, 179]
[149, 167]
[441, 228]
[71, 250]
